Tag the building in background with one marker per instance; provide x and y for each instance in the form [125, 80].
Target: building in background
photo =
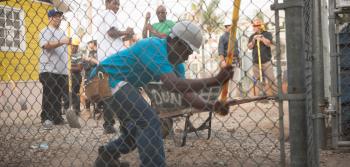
[20, 25]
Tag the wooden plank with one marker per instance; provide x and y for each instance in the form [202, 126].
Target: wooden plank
[230, 49]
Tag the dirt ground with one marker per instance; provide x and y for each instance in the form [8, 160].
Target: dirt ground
[248, 136]
[336, 158]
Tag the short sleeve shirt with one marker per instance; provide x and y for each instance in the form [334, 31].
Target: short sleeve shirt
[223, 45]
[88, 65]
[53, 60]
[265, 51]
[163, 27]
[145, 61]
[102, 22]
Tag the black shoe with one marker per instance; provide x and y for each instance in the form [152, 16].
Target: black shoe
[60, 121]
[108, 159]
[77, 112]
[109, 129]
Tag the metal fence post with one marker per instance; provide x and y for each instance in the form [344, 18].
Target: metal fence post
[279, 84]
[296, 82]
[334, 71]
[317, 76]
[318, 79]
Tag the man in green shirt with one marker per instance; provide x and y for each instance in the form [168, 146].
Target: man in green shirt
[161, 29]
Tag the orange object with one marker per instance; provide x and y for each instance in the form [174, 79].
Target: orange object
[230, 49]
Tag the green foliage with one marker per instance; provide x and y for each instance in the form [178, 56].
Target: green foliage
[207, 15]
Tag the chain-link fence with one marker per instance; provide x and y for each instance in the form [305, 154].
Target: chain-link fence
[308, 28]
[45, 54]
[308, 78]
[339, 34]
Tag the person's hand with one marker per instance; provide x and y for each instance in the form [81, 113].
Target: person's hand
[65, 40]
[129, 31]
[149, 27]
[258, 37]
[236, 61]
[222, 108]
[148, 16]
[223, 63]
[225, 74]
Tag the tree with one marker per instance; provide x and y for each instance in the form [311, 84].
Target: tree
[207, 16]
[209, 19]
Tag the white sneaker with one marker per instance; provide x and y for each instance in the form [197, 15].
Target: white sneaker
[47, 125]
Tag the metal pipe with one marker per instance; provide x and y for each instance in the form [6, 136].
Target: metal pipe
[334, 71]
[326, 67]
[296, 82]
[344, 143]
[318, 103]
[90, 17]
[280, 92]
[334, 123]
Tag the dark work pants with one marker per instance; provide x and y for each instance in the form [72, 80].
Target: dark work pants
[141, 127]
[108, 115]
[54, 86]
[76, 82]
[87, 104]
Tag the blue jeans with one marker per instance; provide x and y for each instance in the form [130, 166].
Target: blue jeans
[140, 127]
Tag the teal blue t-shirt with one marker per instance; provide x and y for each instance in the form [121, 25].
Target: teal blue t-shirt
[143, 62]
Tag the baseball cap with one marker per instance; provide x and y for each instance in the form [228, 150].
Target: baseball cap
[54, 12]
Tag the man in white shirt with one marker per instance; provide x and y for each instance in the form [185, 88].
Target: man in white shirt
[53, 69]
[110, 40]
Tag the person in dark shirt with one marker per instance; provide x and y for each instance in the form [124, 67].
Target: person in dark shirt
[264, 39]
[222, 49]
[223, 44]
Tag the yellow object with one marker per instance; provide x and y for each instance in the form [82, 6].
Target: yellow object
[23, 64]
[69, 59]
[232, 38]
[259, 61]
[75, 41]
[262, 27]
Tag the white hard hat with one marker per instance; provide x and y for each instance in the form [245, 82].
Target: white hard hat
[227, 22]
[188, 32]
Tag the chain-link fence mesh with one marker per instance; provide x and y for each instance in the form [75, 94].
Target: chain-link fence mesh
[309, 79]
[43, 53]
